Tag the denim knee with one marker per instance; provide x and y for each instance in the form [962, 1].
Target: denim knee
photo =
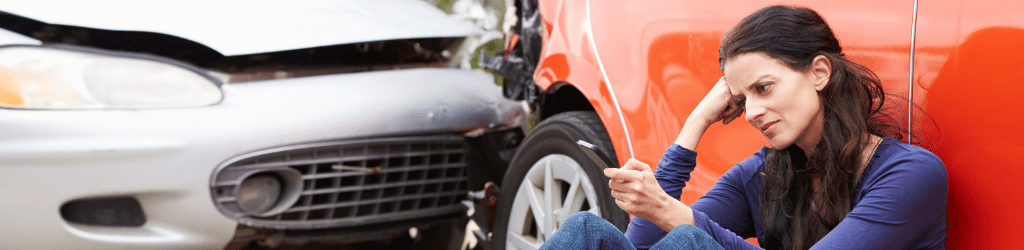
[583, 216]
[687, 237]
[585, 230]
[578, 222]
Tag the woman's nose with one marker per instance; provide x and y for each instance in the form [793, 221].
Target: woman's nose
[753, 111]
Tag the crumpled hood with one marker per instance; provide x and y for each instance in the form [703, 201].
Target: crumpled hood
[234, 27]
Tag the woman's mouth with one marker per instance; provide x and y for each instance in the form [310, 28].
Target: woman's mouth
[766, 126]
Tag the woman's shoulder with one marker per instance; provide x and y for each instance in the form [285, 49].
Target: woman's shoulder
[893, 151]
[898, 157]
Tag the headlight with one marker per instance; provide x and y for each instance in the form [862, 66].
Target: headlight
[55, 78]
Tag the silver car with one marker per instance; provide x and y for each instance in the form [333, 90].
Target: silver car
[224, 124]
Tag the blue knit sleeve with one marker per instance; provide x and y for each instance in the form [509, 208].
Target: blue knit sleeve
[726, 211]
[724, 237]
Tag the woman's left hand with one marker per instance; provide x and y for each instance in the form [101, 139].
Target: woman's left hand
[637, 192]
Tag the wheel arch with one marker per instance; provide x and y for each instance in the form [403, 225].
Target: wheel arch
[563, 97]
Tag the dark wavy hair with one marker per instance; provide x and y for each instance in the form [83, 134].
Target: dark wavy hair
[793, 215]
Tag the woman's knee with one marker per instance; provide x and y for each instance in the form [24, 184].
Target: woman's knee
[584, 216]
[688, 237]
[579, 221]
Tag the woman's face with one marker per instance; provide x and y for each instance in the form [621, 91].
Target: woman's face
[780, 102]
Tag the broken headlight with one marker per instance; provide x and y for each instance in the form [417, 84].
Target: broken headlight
[33, 77]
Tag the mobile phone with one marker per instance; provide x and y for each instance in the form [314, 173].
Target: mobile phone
[596, 155]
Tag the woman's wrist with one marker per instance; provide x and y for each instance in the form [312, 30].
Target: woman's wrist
[679, 214]
[691, 133]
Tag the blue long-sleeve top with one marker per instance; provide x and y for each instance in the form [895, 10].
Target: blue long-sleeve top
[899, 202]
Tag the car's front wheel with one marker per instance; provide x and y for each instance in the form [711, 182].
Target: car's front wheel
[550, 179]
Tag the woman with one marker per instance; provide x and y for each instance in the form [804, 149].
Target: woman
[830, 180]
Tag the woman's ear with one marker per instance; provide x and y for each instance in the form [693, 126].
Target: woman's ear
[821, 69]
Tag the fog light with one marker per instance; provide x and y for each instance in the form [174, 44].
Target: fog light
[259, 193]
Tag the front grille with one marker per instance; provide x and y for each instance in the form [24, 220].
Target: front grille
[383, 180]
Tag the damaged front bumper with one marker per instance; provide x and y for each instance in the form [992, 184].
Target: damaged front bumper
[167, 160]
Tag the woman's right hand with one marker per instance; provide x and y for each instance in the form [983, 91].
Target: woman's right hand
[717, 105]
[637, 192]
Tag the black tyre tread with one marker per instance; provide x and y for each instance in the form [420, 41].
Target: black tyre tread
[587, 120]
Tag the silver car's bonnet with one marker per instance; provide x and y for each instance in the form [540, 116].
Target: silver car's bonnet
[253, 26]
[260, 115]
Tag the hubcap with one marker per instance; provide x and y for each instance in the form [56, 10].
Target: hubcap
[555, 188]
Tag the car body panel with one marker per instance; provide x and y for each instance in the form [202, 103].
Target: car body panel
[249, 27]
[661, 58]
[164, 157]
[967, 78]
[568, 58]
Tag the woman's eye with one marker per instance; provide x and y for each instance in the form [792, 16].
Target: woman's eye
[761, 88]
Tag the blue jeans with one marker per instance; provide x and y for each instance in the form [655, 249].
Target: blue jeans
[585, 230]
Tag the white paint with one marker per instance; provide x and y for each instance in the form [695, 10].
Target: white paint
[607, 83]
[910, 84]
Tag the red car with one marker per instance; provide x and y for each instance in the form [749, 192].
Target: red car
[626, 74]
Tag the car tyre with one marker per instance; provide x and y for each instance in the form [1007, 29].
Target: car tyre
[552, 174]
